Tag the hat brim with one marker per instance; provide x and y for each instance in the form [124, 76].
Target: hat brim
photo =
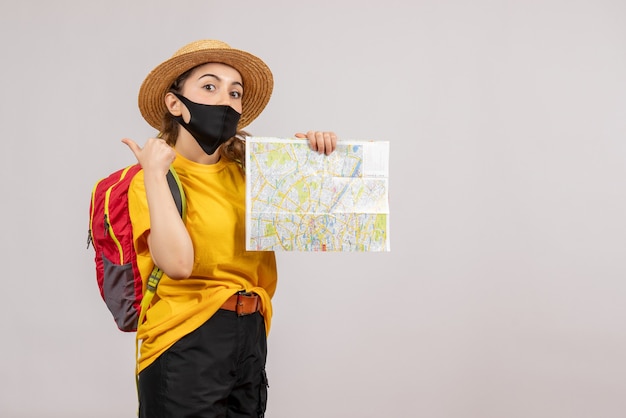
[257, 78]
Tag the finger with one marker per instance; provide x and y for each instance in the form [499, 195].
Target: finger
[132, 145]
[171, 154]
[322, 142]
[310, 136]
[330, 142]
[319, 141]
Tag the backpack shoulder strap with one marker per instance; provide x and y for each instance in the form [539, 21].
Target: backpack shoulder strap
[181, 204]
[177, 192]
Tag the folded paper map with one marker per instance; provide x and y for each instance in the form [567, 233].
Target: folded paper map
[300, 200]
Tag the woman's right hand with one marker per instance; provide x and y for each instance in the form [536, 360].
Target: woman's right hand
[155, 157]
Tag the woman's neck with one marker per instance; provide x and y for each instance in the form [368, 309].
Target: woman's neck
[188, 147]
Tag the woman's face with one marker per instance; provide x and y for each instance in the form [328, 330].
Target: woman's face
[214, 84]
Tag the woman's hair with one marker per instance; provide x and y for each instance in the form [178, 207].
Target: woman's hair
[234, 149]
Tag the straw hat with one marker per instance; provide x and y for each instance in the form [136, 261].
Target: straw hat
[257, 79]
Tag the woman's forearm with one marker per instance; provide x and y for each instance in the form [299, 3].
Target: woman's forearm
[170, 245]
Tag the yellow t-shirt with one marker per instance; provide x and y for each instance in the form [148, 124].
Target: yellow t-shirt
[222, 266]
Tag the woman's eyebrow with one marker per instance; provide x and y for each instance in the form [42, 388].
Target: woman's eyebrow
[219, 79]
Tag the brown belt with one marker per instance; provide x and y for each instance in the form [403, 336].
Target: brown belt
[242, 303]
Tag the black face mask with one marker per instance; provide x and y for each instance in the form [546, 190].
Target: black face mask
[210, 125]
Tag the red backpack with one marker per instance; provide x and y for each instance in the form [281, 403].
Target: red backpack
[111, 235]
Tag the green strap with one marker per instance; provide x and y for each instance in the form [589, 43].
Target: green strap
[153, 281]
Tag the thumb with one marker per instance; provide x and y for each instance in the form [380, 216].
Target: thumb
[300, 135]
[133, 146]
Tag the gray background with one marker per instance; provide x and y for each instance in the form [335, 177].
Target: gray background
[503, 295]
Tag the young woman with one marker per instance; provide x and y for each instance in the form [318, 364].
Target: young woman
[203, 343]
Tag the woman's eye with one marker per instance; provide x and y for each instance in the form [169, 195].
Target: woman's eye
[210, 87]
[236, 94]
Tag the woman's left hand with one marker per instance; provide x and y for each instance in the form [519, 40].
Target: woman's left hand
[322, 142]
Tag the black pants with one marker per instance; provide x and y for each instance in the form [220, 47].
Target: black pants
[216, 371]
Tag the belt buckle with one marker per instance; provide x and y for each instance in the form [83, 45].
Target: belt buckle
[239, 305]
